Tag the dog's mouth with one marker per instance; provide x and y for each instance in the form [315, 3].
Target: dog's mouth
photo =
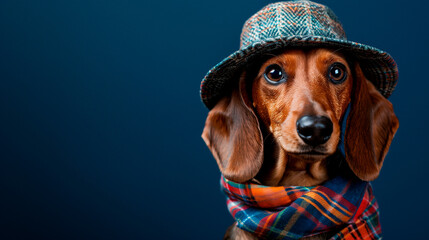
[306, 152]
[311, 155]
[312, 152]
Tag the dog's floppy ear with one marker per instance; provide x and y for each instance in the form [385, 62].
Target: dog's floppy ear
[371, 126]
[233, 135]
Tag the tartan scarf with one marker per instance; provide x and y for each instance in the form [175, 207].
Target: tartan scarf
[346, 206]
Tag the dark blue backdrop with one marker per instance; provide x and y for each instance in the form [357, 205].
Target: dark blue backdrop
[101, 116]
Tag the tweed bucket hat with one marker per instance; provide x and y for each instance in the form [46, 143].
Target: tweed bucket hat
[291, 24]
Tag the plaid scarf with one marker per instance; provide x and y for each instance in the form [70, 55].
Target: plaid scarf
[345, 206]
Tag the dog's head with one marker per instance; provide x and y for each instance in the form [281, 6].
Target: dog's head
[299, 98]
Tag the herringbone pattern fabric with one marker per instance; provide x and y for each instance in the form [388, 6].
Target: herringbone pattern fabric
[301, 18]
[300, 23]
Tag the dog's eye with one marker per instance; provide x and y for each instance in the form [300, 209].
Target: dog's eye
[337, 73]
[274, 74]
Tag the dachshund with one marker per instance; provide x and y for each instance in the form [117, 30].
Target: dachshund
[280, 125]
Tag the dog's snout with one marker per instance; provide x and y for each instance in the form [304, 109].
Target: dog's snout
[314, 130]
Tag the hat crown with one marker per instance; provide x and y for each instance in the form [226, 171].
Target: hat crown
[288, 19]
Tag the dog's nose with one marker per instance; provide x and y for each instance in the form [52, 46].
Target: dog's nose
[314, 130]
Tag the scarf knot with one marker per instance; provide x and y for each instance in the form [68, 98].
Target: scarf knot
[346, 206]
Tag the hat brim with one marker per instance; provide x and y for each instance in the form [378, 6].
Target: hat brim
[377, 65]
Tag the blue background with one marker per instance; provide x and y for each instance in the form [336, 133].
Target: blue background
[101, 117]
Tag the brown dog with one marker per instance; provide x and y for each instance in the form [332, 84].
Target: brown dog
[281, 124]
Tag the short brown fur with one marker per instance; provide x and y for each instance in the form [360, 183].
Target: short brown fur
[252, 131]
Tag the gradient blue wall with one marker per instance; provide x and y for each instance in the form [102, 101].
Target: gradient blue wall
[101, 116]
